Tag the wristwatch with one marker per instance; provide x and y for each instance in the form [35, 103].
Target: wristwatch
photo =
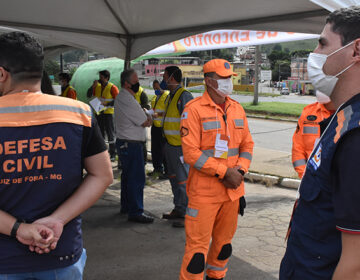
[15, 228]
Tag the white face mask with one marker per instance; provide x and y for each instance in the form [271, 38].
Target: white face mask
[322, 98]
[321, 81]
[225, 87]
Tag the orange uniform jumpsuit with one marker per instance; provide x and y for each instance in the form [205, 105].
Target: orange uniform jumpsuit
[212, 211]
[306, 133]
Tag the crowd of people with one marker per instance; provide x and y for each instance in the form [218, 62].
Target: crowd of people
[204, 147]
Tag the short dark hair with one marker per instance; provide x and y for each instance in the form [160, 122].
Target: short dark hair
[105, 73]
[175, 72]
[125, 76]
[65, 76]
[156, 82]
[22, 55]
[345, 22]
[209, 74]
[46, 84]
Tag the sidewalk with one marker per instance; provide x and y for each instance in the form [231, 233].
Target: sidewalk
[118, 249]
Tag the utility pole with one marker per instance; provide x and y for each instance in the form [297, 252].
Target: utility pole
[61, 63]
[256, 88]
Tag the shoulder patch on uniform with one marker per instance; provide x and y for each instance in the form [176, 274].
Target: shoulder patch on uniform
[184, 131]
[184, 115]
[311, 118]
[315, 161]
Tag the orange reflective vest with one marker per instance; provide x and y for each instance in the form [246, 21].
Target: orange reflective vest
[306, 133]
[201, 122]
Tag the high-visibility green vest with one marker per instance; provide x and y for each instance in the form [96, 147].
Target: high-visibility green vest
[105, 94]
[65, 93]
[138, 95]
[159, 106]
[172, 120]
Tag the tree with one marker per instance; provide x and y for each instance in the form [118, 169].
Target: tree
[275, 55]
[285, 70]
[52, 67]
[227, 54]
[277, 47]
[73, 55]
[300, 53]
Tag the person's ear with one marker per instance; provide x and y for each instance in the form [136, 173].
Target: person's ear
[3, 75]
[356, 54]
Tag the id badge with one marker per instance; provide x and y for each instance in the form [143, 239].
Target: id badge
[221, 146]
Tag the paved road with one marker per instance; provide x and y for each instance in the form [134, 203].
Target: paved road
[272, 150]
[275, 135]
[121, 250]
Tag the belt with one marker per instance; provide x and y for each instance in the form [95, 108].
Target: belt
[131, 141]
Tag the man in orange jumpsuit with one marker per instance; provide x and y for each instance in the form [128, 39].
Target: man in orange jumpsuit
[308, 130]
[217, 145]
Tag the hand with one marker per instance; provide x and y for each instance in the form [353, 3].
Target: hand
[232, 178]
[56, 225]
[147, 123]
[95, 83]
[35, 235]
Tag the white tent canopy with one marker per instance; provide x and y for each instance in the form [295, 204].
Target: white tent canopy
[130, 28]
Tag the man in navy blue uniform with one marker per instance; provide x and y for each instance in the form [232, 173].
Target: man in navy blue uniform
[45, 143]
[324, 233]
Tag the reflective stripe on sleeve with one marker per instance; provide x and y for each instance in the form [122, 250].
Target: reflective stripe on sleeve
[299, 162]
[233, 152]
[201, 161]
[246, 155]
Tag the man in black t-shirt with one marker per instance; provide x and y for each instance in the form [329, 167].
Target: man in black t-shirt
[324, 233]
[45, 142]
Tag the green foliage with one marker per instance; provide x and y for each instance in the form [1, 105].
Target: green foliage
[72, 71]
[275, 108]
[52, 67]
[285, 71]
[291, 46]
[227, 54]
[74, 55]
[301, 53]
[276, 56]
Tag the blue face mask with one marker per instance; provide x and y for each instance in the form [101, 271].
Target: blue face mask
[163, 85]
[158, 92]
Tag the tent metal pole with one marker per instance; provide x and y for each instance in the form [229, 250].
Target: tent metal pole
[61, 63]
[127, 53]
[256, 88]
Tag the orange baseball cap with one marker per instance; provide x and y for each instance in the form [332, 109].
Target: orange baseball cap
[221, 67]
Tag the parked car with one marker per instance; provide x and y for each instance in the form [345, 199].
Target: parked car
[285, 91]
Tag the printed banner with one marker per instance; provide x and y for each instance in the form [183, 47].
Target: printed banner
[222, 39]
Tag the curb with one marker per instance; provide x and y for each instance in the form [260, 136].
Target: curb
[271, 181]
